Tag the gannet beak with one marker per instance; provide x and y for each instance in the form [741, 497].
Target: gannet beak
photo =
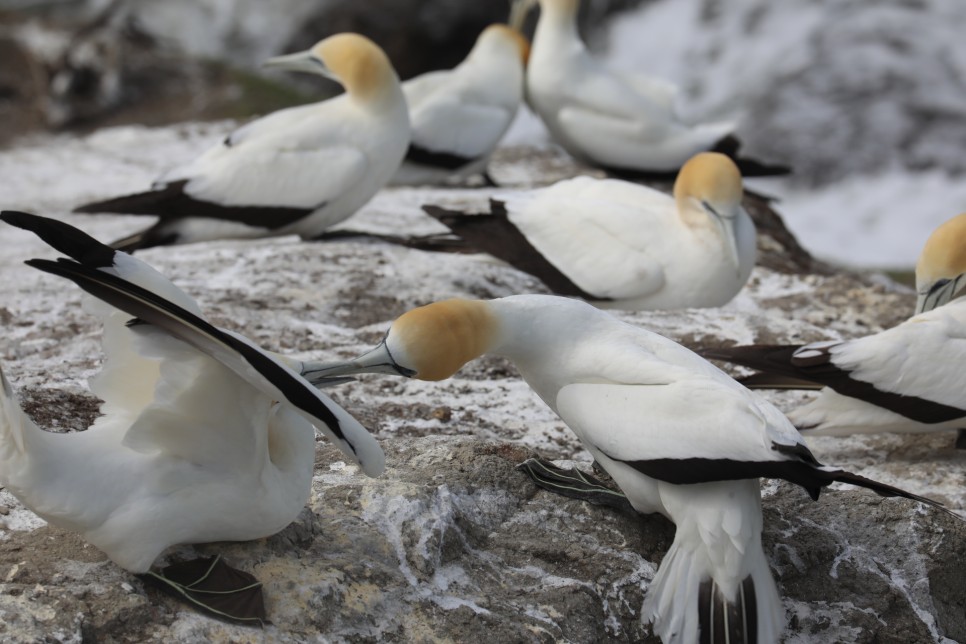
[303, 61]
[938, 293]
[379, 360]
[726, 225]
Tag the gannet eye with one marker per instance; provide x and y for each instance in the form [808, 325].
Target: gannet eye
[938, 285]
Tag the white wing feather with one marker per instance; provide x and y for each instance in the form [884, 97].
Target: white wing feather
[921, 357]
[698, 418]
[601, 234]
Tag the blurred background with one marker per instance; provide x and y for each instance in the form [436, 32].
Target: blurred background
[866, 99]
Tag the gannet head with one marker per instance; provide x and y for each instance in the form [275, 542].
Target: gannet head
[709, 188]
[941, 269]
[356, 62]
[428, 343]
[504, 36]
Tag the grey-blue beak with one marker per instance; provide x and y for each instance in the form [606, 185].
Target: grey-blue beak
[379, 360]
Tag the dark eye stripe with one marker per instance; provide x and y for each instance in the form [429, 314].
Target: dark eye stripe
[938, 285]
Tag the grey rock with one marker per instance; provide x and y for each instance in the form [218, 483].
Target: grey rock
[454, 544]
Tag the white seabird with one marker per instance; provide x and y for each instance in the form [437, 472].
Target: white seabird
[620, 121]
[459, 115]
[905, 379]
[678, 436]
[204, 437]
[296, 171]
[621, 244]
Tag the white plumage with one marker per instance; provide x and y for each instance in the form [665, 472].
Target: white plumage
[296, 171]
[620, 244]
[677, 435]
[608, 118]
[904, 379]
[204, 437]
[458, 116]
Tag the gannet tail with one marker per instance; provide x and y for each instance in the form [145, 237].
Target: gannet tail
[686, 605]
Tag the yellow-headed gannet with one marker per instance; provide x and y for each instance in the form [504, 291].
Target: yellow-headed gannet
[619, 121]
[295, 171]
[621, 244]
[459, 115]
[204, 436]
[677, 435]
[905, 379]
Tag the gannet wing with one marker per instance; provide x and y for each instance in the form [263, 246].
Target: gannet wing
[456, 125]
[250, 363]
[687, 431]
[602, 244]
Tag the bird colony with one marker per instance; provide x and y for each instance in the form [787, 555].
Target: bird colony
[206, 435]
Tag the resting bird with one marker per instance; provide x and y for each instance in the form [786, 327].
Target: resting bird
[619, 244]
[295, 171]
[905, 379]
[204, 436]
[458, 116]
[621, 122]
[678, 436]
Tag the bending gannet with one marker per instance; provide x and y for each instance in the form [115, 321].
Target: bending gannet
[204, 436]
[905, 379]
[622, 244]
[459, 115]
[678, 436]
[619, 121]
[295, 171]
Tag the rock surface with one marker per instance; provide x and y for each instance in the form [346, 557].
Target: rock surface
[454, 544]
[451, 544]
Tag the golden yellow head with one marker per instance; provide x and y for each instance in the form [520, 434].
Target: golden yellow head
[941, 264]
[357, 62]
[710, 177]
[437, 339]
[511, 35]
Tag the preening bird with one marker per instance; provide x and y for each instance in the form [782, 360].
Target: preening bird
[623, 122]
[459, 115]
[678, 436]
[904, 379]
[621, 244]
[203, 436]
[296, 171]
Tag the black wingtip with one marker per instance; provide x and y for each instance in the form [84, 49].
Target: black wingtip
[883, 489]
[63, 237]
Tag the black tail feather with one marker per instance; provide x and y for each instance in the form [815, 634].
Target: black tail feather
[730, 145]
[63, 237]
[723, 622]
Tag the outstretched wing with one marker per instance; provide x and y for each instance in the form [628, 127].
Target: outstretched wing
[253, 365]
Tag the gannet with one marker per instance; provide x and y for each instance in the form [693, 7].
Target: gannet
[459, 115]
[677, 435]
[295, 171]
[621, 244]
[204, 436]
[904, 379]
[623, 122]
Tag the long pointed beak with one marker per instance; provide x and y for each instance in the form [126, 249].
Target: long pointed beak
[379, 360]
[727, 227]
[303, 61]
